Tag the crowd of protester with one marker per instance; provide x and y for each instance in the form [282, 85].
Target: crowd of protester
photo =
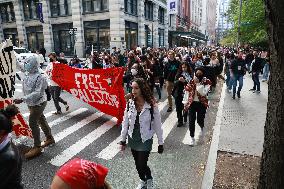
[184, 74]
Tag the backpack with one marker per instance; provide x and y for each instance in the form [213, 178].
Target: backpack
[151, 112]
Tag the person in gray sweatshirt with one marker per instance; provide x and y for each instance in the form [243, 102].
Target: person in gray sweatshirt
[34, 85]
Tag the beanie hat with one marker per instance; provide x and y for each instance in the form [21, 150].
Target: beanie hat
[83, 174]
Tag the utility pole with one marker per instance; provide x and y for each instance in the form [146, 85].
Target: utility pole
[239, 25]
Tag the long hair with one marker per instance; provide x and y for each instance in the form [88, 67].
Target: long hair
[189, 69]
[145, 90]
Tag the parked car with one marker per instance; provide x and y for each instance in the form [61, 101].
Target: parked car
[22, 53]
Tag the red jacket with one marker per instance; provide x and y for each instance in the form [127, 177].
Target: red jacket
[201, 92]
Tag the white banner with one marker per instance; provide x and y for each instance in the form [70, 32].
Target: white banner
[7, 70]
[172, 7]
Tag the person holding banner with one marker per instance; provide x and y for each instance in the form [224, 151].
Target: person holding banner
[55, 90]
[141, 120]
[10, 157]
[34, 85]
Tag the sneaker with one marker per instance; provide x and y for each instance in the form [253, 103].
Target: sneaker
[34, 152]
[233, 97]
[258, 92]
[239, 94]
[201, 135]
[191, 141]
[47, 142]
[149, 184]
[179, 124]
[142, 185]
[67, 107]
[252, 90]
[170, 109]
[57, 113]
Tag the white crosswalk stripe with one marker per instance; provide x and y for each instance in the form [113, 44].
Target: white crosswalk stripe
[83, 143]
[46, 115]
[77, 126]
[67, 117]
[167, 126]
[112, 149]
[18, 85]
[19, 90]
[187, 135]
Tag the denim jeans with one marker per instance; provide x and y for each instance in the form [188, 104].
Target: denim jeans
[265, 71]
[235, 79]
[256, 83]
[229, 81]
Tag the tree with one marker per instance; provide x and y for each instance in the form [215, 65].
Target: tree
[253, 26]
[272, 162]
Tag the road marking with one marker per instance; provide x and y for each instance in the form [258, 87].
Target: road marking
[46, 115]
[81, 144]
[167, 126]
[66, 117]
[113, 148]
[19, 90]
[77, 126]
[18, 85]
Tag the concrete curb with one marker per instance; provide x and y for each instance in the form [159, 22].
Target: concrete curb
[208, 177]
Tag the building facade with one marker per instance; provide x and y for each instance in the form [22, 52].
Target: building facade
[102, 24]
[211, 17]
[186, 25]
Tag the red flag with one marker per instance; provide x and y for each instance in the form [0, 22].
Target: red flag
[101, 88]
[19, 125]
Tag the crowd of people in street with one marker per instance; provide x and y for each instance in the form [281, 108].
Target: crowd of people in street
[188, 75]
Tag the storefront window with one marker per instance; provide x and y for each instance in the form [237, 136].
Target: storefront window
[161, 15]
[30, 8]
[97, 33]
[131, 34]
[63, 41]
[90, 6]
[12, 34]
[35, 38]
[148, 36]
[60, 7]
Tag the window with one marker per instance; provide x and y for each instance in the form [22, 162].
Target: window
[148, 10]
[7, 12]
[60, 8]
[130, 7]
[161, 33]
[30, 8]
[97, 33]
[90, 6]
[131, 34]
[35, 38]
[63, 41]
[161, 15]
[11, 33]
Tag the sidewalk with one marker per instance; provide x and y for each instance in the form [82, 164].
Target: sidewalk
[237, 139]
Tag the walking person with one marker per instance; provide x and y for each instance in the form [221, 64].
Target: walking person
[10, 157]
[256, 67]
[34, 86]
[238, 70]
[229, 83]
[183, 77]
[55, 90]
[141, 120]
[170, 72]
[197, 102]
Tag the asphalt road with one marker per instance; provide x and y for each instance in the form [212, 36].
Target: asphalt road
[86, 133]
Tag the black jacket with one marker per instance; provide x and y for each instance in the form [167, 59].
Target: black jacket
[10, 167]
[257, 65]
[171, 69]
[178, 87]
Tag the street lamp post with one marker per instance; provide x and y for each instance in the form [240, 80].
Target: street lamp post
[239, 24]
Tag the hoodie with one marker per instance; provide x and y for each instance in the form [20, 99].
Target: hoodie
[34, 83]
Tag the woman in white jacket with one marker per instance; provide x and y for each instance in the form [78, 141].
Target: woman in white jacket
[141, 120]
